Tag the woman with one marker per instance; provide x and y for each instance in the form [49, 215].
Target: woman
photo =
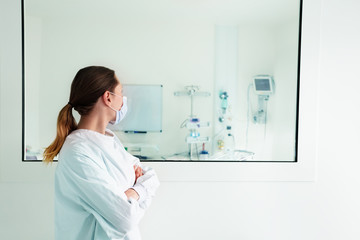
[101, 191]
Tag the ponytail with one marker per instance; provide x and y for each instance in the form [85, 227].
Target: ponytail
[88, 86]
[65, 125]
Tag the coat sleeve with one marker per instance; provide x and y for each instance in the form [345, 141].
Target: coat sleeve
[147, 184]
[99, 194]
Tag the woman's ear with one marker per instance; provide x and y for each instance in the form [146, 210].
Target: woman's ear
[106, 98]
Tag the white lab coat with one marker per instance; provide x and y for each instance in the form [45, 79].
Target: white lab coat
[93, 172]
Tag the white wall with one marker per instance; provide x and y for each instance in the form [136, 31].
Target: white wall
[33, 69]
[327, 208]
[268, 50]
[242, 52]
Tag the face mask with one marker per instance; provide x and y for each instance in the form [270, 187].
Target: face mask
[120, 114]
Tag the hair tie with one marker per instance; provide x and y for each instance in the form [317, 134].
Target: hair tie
[71, 104]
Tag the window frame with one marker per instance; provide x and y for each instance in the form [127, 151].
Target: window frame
[304, 169]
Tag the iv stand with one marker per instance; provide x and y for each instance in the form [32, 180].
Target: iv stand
[193, 91]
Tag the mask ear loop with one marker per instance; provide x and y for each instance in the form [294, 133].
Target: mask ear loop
[122, 102]
[113, 108]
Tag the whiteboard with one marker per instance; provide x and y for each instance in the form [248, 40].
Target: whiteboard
[144, 112]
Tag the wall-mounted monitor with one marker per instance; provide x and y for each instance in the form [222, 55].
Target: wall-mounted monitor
[263, 84]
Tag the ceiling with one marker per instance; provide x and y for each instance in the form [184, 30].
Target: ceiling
[215, 11]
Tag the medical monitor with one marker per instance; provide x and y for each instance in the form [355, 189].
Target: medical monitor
[263, 84]
[144, 112]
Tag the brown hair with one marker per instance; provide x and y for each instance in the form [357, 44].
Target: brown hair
[89, 84]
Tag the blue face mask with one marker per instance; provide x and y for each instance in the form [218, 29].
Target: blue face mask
[120, 114]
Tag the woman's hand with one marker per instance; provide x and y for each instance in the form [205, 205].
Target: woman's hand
[138, 172]
[131, 193]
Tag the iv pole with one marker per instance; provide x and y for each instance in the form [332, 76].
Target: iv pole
[193, 123]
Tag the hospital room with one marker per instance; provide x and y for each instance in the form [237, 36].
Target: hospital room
[169, 119]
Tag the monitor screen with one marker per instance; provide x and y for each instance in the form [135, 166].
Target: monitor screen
[262, 84]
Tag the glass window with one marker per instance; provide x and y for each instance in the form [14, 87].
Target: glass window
[221, 77]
